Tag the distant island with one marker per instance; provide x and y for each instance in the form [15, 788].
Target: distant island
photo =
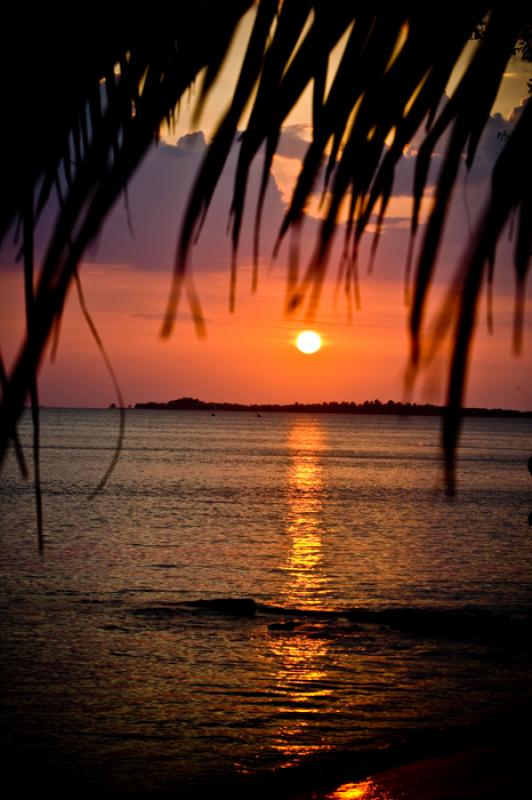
[334, 407]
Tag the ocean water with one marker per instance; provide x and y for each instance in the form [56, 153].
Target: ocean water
[382, 607]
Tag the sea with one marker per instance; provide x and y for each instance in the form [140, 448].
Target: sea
[253, 594]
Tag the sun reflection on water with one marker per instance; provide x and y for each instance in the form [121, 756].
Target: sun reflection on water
[308, 585]
[302, 652]
[364, 790]
[302, 684]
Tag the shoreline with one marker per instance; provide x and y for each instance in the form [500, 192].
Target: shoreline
[485, 759]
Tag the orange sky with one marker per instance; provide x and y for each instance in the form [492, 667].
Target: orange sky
[250, 356]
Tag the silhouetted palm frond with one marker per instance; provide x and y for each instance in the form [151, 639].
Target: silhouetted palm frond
[67, 134]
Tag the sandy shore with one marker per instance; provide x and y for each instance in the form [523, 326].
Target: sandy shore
[492, 772]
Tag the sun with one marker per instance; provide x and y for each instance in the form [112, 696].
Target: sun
[308, 342]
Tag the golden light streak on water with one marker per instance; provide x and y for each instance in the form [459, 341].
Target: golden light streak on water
[308, 583]
[301, 655]
[364, 790]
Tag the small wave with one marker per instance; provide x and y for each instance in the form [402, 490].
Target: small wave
[469, 624]
[473, 624]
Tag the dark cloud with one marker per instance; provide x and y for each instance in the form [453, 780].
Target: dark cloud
[156, 199]
[490, 145]
[192, 142]
[159, 190]
[294, 141]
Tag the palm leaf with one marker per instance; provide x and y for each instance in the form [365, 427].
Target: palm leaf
[390, 80]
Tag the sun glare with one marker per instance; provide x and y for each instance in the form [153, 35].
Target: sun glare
[308, 342]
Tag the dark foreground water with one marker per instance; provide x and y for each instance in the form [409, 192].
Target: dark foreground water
[380, 607]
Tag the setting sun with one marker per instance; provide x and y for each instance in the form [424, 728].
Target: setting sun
[308, 342]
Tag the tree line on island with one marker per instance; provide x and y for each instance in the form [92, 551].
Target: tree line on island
[332, 407]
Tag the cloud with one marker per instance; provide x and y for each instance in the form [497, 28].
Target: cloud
[516, 112]
[156, 199]
[192, 142]
[159, 190]
[294, 141]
